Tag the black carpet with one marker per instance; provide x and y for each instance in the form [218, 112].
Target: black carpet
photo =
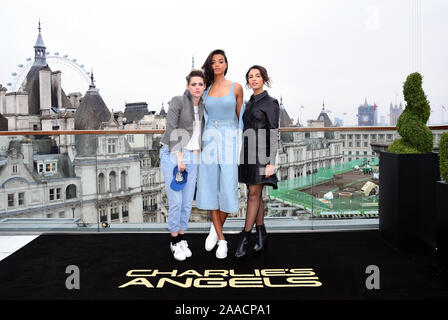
[338, 259]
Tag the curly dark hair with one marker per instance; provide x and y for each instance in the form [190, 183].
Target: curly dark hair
[263, 73]
[207, 66]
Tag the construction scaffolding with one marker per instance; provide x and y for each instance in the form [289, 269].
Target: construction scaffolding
[290, 192]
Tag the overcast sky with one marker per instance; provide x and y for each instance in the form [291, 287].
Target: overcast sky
[321, 51]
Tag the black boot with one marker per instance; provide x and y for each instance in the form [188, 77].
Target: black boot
[262, 239]
[241, 249]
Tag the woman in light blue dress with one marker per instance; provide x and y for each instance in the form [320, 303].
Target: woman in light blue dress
[217, 188]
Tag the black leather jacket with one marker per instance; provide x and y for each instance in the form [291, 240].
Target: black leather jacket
[262, 112]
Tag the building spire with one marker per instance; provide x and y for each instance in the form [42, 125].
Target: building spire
[40, 49]
[192, 62]
[162, 110]
[281, 103]
[92, 86]
[91, 78]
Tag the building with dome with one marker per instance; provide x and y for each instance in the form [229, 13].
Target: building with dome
[105, 164]
[78, 176]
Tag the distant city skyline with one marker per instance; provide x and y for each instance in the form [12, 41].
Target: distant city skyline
[320, 52]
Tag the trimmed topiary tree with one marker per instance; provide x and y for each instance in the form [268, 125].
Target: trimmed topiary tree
[442, 204]
[443, 154]
[411, 125]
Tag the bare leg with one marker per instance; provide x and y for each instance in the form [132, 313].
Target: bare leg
[216, 218]
[253, 204]
[223, 217]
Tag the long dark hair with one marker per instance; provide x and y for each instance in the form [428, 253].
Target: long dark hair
[207, 66]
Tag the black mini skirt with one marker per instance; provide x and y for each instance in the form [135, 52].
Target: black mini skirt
[254, 174]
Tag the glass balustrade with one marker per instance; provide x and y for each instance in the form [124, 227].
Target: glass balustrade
[111, 181]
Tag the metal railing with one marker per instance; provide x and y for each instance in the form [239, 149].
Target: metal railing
[161, 131]
[283, 211]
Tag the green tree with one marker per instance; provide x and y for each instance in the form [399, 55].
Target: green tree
[443, 154]
[415, 135]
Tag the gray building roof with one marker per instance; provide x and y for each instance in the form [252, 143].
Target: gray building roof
[162, 113]
[31, 85]
[65, 167]
[134, 112]
[39, 41]
[41, 145]
[3, 123]
[323, 116]
[42, 149]
[285, 121]
[92, 111]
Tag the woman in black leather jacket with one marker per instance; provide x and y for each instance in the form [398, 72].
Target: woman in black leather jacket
[257, 160]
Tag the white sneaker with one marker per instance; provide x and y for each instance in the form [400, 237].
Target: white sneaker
[212, 239]
[221, 252]
[186, 250]
[177, 251]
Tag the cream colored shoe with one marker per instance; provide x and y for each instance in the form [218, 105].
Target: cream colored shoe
[221, 252]
[177, 251]
[186, 250]
[212, 239]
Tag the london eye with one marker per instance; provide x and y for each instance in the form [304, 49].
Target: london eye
[55, 61]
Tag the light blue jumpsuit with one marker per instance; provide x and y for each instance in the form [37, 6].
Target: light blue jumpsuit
[217, 187]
